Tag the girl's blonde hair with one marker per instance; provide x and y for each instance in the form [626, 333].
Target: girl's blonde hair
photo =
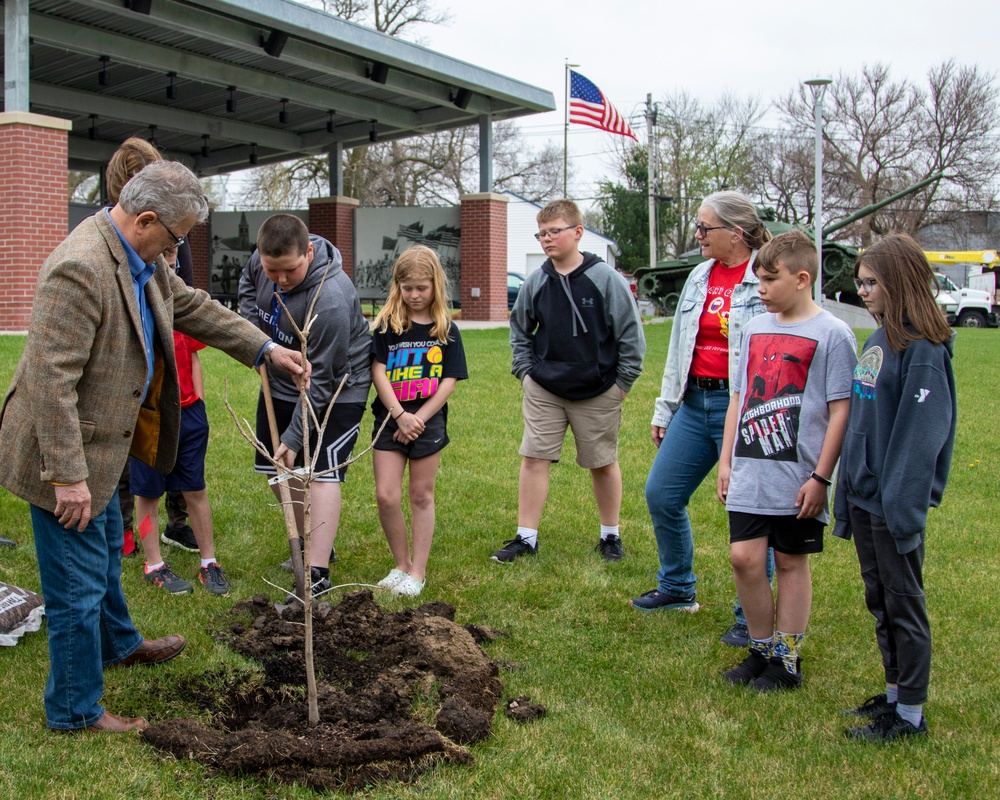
[908, 287]
[417, 263]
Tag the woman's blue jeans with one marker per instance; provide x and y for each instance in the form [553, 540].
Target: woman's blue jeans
[88, 623]
[689, 450]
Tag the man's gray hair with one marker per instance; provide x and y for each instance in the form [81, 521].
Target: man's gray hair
[168, 188]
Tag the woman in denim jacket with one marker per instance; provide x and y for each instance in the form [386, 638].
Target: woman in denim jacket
[718, 299]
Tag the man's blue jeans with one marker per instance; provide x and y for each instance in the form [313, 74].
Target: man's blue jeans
[86, 614]
[689, 450]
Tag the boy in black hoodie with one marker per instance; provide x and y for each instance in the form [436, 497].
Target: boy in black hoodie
[578, 345]
[291, 263]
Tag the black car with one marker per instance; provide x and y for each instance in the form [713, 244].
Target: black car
[514, 281]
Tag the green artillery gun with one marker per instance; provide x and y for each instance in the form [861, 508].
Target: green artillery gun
[662, 284]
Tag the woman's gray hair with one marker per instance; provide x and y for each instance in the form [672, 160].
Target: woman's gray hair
[168, 188]
[735, 210]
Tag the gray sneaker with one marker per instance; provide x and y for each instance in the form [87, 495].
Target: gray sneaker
[168, 579]
[214, 580]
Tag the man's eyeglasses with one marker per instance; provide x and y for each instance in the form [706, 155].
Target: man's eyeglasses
[178, 240]
[703, 229]
[865, 283]
[552, 233]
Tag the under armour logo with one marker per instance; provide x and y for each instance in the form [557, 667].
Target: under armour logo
[923, 395]
[587, 302]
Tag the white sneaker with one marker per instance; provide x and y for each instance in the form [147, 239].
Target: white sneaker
[394, 578]
[409, 586]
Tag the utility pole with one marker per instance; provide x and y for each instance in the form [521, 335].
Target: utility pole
[650, 160]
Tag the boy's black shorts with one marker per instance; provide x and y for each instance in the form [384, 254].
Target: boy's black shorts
[338, 439]
[431, 441]
[786, 534]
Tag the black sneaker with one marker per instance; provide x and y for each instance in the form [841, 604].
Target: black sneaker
[182, 537]
[872, 707]
[736, 636]
[320, 586]
[748, 670]
[655, 600]
[611, 548]
[515, 548]
[776, 678]
[887, 727]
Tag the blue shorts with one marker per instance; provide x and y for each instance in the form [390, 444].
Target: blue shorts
[188, 474]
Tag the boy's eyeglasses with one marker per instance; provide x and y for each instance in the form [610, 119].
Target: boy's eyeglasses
[703, 229]
[865, 283]
[552, 233]
[178, 240]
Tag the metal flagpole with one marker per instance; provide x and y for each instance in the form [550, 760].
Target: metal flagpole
[566, 125]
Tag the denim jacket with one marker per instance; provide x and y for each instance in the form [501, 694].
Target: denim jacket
[744, 305]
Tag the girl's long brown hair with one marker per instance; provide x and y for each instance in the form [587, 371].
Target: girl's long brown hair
[417, 263]
[133, 154]
[908, 287]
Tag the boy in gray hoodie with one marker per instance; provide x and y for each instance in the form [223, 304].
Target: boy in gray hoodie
[291, 263]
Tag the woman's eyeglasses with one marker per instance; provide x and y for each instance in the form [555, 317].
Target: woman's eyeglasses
[865, 283]
[703, 229]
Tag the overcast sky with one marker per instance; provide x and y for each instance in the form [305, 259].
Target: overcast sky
[632, 47]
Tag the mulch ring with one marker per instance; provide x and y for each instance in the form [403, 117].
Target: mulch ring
[398, 693]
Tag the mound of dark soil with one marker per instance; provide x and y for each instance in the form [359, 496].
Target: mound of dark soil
[398, 694]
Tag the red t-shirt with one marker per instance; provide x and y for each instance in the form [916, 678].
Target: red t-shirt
[184, 346]
[711, 346]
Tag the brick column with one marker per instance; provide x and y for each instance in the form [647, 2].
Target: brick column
[34, 205]
[484, 256]
[200, 240]
[333, 219]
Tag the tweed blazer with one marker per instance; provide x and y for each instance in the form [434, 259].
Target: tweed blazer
[70, 412]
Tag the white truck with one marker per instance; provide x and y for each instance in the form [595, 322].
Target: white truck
[967, 308]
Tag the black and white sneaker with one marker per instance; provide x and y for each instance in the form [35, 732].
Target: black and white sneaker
[514, 548]
[182, 537]
[611, 548]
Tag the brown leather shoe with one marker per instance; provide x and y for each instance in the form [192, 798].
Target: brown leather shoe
[111, 723]
[155, 651]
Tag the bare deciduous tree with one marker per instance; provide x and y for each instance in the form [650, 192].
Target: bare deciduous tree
[424, 170]
[394, 17]
[882, 135]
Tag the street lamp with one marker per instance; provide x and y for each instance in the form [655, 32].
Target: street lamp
[818, 88]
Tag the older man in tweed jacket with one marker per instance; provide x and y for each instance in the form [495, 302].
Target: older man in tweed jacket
[97, 381]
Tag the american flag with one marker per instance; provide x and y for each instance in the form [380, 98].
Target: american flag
[589, 106]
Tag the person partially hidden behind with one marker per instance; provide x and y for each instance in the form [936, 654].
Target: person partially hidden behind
[97, 381]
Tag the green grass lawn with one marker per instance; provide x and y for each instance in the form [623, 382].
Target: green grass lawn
[637, 707]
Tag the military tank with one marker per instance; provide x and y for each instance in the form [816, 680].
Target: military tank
[662, 284]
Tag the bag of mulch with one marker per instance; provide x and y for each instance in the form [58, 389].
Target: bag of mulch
[21, 612]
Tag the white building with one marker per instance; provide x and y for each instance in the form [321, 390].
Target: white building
[524, 252]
